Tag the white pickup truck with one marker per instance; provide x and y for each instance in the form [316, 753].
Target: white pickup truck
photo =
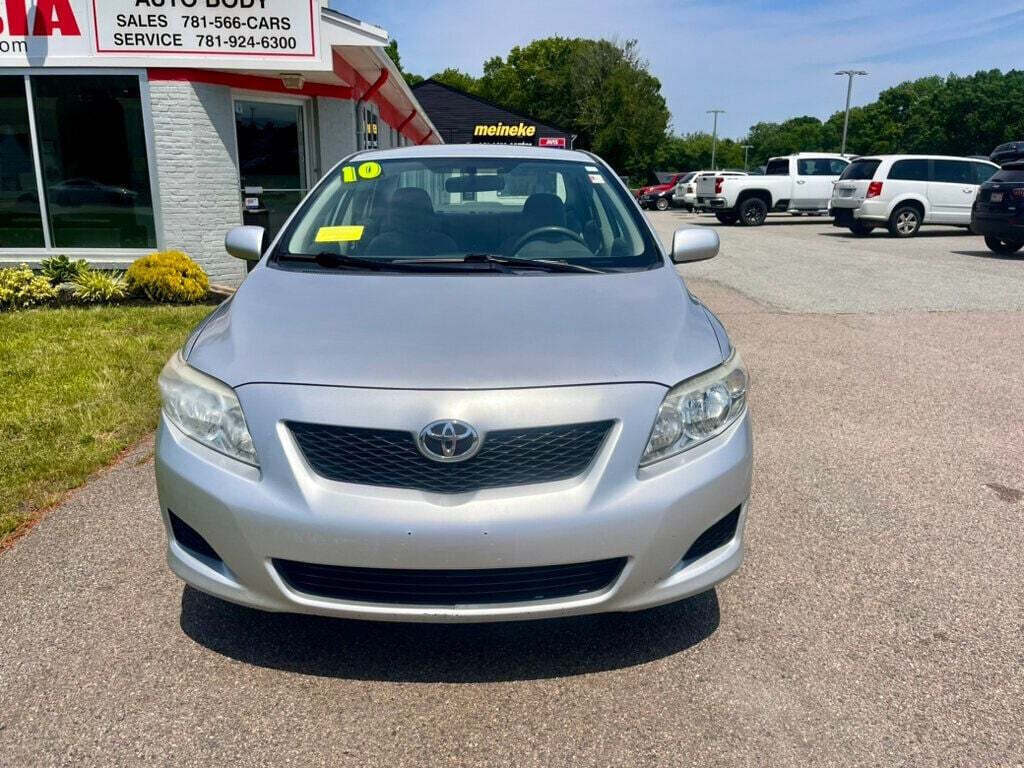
[800, 183]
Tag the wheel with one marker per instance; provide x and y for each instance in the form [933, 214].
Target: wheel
[661, 203]
[726, 218]
[753, 212]
[996, 245]
[905, 221]
[860, 229]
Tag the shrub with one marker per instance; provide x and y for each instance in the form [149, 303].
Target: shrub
[21, 288]
[167, 276]
[61, 269]
[92, 286]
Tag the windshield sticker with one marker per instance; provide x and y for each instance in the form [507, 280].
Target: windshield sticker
[596, 178]
[364, 171]
[339, 234]
[592, 169]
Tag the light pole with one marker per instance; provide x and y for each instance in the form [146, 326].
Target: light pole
[850, 73]
[746, 151]
[714, 136]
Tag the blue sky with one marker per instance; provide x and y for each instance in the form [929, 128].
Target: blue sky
[757, 59]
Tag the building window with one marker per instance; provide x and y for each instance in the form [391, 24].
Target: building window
[21, 225]
[91, 147]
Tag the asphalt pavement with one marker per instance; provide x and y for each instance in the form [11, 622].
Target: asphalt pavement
[877, 620]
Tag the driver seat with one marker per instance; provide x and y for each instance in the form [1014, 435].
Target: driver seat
[542, 209]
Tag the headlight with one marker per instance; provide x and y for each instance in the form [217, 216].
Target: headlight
[205, 409]
[698, 409]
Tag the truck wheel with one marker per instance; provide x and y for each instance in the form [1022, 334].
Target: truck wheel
[753, 212]
[997, 245]
[726, 218]
[905, 221]
[661, 203]
[860, 229]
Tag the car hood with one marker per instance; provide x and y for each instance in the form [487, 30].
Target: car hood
[461, 331]
[656, 189]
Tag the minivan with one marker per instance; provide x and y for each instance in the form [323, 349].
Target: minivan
[902, 192]
[463, 383]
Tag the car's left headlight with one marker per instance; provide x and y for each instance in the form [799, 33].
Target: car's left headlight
[205, 409]
[698, 409]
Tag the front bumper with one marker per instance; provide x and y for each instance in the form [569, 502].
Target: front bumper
[650, 516]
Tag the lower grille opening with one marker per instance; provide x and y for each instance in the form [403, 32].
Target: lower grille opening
[190, 539]
[449, 587]
[718, 535]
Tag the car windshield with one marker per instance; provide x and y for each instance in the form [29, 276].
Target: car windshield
[454, 209]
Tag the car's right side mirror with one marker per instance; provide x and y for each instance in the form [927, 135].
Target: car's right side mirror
[694, 244]
[246, 242]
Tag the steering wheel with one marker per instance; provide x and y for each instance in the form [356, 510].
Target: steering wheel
[548, 230]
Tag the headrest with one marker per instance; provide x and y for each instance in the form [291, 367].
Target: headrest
[543, 209]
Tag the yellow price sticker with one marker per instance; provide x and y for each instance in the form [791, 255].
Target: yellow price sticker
[367, 170]
[348, 234]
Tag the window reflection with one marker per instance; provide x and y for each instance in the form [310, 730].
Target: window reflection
[20, 222]
[93, 151]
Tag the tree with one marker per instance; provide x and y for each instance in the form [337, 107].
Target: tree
[391, 49]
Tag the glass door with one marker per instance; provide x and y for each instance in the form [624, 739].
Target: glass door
[272, 154]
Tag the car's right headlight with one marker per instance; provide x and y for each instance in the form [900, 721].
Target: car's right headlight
[205, 409]
[698, 409]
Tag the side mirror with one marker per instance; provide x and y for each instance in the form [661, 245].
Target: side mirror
[694, 244]
[245, 243]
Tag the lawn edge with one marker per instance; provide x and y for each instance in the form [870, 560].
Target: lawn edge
[37, 515]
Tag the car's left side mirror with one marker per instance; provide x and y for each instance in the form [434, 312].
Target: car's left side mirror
[694, 244]
[246, 242]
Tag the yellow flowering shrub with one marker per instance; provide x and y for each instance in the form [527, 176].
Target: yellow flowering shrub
[167, 276]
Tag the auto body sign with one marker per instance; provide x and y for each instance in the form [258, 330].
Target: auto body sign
[262, 34]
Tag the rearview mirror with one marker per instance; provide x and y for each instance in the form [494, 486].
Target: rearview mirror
[694, 244]
[246, 242]
[486, 183]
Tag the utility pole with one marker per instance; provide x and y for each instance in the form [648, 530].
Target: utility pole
[850, 73]
[714, 136]
[746, 151]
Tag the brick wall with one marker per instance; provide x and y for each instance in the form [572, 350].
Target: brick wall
[197, 172]
[337, 118]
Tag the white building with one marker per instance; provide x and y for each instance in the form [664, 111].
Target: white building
[122, 132]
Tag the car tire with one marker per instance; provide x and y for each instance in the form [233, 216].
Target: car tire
[905, 221]
[726, 218]
[998, 245]
[860, 229]
[753, 212]
[661, 204]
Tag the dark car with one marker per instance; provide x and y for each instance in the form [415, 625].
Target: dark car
[998, 210]
[1010, 152]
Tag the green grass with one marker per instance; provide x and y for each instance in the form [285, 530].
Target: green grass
[77, 386]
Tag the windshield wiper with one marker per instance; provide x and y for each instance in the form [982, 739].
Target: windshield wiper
[330, 260]
[543, 265]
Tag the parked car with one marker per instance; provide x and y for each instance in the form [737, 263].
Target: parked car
[998, 210]
[902, 192]
[430, 403]
[679, 189]
[797, 183]
[1008, 153]
[686, 190]
[659, 196]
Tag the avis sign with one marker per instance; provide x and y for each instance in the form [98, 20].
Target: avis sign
[251, 34]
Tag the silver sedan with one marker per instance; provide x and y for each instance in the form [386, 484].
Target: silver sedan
[462, 384]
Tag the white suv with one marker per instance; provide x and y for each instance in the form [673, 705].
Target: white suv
[902, 192]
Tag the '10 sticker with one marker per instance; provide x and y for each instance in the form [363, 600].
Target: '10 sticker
[367, 170]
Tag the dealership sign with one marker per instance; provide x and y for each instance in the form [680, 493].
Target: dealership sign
[249, 34]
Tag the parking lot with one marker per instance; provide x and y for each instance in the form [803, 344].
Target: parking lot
[877, 619]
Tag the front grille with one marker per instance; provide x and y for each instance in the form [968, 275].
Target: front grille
[449, 587]
[506, 457]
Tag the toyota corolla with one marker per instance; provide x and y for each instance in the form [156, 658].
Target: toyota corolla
[461, 384]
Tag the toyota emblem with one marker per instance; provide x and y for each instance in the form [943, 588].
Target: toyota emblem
[448, 440]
